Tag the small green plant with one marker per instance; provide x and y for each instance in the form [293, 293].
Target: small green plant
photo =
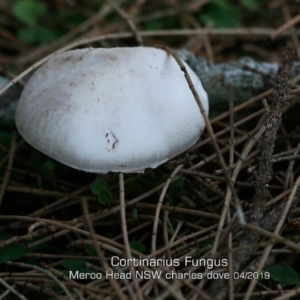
[283, 274]
[99, 188]
[225, 14]
[206, 243]
[30, 12]
[138, 246]
[42, 163]
[48, 167]
[75, 265]
[221, 13]
[251, 4]
[10, 252]
[135, 214]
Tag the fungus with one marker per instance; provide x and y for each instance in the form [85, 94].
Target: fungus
[111, 110]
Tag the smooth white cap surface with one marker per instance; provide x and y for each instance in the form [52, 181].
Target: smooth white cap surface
[102, 110]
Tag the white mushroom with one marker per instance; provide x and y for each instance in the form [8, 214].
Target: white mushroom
[102, 110]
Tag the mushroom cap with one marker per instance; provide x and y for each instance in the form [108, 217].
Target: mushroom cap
[119, 109]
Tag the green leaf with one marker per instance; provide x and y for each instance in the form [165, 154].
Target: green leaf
[251, 4]
[138, 246]
[75, 265]
[134, 187]
[105, 197]
[11, 252]
[28, 11]
[283, 274]
[221, 13]
[134, 214]
[71, 17]
[149, 180]
[177, 184]
[207, 242]
[153, 25]
[48, 167]
[90, 250]
[38, 34]
[37, 159]
[97, 186]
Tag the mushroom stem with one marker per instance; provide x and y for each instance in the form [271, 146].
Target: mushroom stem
[125, 234]
[123, 215]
